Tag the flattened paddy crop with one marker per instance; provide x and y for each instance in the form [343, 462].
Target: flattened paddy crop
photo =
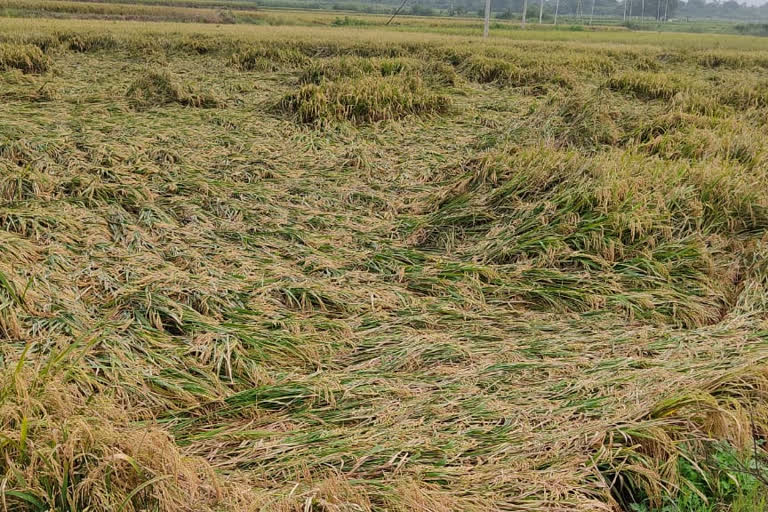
[374, 271]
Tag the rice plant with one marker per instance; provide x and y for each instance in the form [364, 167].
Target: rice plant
[381, 269]
[364, 100]
[24, 57]
[158, 88]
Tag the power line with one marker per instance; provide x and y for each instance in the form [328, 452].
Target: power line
[396, 12]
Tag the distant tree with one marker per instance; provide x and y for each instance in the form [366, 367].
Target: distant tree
[421, 10]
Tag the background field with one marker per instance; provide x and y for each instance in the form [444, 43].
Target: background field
[349, 268]
[456, 16]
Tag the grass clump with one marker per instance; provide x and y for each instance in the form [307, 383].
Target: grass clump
[586, 118]
[24, 57]
[691, 137]
[482, 69]
[609, 225]
[268, 58]
[335, 68]
[692, 452]
[158, 88]
[66, 452]
[85, 42]
[649, 85]
[364, 100]
[732, 59]
[744, 94]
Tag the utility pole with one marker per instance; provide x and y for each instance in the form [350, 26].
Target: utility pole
[541, 9]
[666, 11]
[557, 6]
[487, 18]
[642, 12]
[525, 11]
[592, 14]
[625, 11]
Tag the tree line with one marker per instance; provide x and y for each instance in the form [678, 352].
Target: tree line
[659, 10]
